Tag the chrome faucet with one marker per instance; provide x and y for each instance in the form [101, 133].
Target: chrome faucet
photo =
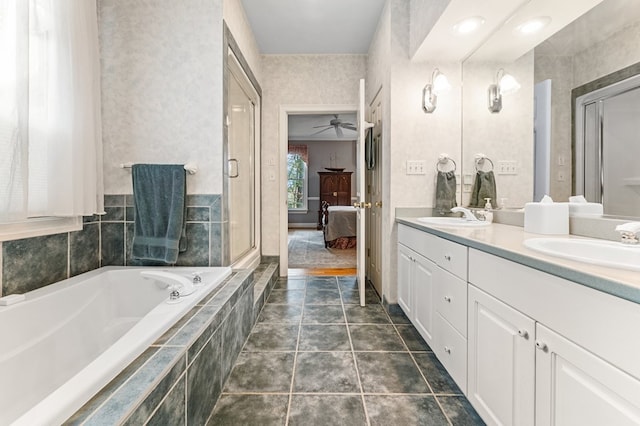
[468, 214]
[629, 232]
[175, 283]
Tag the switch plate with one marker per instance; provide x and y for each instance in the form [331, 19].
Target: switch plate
[415, 167]
[507, 168]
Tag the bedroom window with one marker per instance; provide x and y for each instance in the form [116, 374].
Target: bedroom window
[297, 178]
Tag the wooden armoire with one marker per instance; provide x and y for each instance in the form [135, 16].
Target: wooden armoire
[335, 189]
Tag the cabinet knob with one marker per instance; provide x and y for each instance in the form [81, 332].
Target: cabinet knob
[447, 257]
[447, 298]
[335, 194]
[523, 333]
[542, 346]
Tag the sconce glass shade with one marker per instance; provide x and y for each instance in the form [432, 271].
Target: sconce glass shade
[504, 85]
[439, 84]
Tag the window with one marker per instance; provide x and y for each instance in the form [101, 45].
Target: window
[50, 124]
[297, 178]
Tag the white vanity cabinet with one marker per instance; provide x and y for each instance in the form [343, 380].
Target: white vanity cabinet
[501, 382]
[432, 291]
[542, 344]
[576, 387]
[416, 276]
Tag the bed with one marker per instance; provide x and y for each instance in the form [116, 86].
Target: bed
[339, 226]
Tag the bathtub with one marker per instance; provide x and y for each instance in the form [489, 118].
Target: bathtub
[66, 341]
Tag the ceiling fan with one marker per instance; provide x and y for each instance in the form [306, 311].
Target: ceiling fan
[336, 124]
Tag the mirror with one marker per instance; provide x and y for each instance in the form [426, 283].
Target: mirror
[530, 161]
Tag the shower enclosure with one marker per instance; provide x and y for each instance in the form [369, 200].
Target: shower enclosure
[241, 187]
[607, 150]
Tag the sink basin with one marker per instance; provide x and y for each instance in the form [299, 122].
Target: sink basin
[597, 252]
[452, 222]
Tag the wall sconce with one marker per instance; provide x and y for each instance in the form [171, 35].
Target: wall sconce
[505, 84]
[438, 84]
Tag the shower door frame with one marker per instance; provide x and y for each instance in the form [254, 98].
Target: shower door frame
[252, 256]
[593, 95]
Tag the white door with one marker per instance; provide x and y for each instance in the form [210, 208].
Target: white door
[575, 387]
[501, 368]
[361, 203]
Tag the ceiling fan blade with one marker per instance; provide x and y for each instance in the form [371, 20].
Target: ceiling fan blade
[339, 132]
[328, 126]
[347, 124]
[320, 131]
[351, 127]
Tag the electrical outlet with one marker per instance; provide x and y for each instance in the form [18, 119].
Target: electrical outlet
[507, 168]
[415, 167]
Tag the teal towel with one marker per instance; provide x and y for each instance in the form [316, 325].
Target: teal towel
[445, 192]
[484, 186]
[159, 192]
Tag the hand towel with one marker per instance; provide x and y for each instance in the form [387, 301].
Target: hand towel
[159, 192]
[445, 191]
[484, 186]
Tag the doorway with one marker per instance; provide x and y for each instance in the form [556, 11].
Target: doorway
[314, 233]
[321, 161]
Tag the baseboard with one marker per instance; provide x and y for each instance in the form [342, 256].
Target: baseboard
[302, 225]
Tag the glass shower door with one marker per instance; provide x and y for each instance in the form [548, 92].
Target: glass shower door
[241, 140]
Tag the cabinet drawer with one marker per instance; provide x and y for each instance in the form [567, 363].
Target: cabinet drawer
[451, 300]
[452, 257]
[418, 241]
[451, 350]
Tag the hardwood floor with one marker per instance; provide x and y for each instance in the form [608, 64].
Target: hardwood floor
[322, 271]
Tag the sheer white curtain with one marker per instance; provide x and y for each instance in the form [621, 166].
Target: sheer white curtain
[55, 143]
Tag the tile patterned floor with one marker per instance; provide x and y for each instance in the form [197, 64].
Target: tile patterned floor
[315, 357]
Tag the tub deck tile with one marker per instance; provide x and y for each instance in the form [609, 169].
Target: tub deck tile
[123, 402]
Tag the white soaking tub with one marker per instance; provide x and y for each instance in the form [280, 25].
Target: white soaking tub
[66, 341]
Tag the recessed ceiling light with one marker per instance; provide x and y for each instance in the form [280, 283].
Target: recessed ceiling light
[468, 25]
[533, 25]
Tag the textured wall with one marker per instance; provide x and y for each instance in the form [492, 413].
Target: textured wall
[424, 15]
[162, 88]
[236, 19]
[504, 136]
[297, 80]
[407, 132]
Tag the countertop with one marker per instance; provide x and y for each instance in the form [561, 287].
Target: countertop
[506, 241]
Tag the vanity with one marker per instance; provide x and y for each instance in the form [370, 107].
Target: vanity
[529, 338]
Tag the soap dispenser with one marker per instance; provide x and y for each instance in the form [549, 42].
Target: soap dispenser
[488, 211]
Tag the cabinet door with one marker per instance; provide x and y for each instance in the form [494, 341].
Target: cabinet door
[423, 281]
[501, 361]
[405, 266]
[575, 387]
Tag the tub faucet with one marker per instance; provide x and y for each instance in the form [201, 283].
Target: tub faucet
[176, 283]
[468, 214]
[629, 232]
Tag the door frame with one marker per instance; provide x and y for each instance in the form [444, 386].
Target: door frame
[283, 118]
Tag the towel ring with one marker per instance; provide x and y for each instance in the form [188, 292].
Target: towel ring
[446, 160]
[480, 162]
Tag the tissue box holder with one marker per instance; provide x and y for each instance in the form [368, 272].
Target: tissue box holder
[546, 218]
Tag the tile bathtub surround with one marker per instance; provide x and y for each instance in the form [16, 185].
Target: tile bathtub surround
[204, 231]
[315, 357]
[32, 263]
[179, 379]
